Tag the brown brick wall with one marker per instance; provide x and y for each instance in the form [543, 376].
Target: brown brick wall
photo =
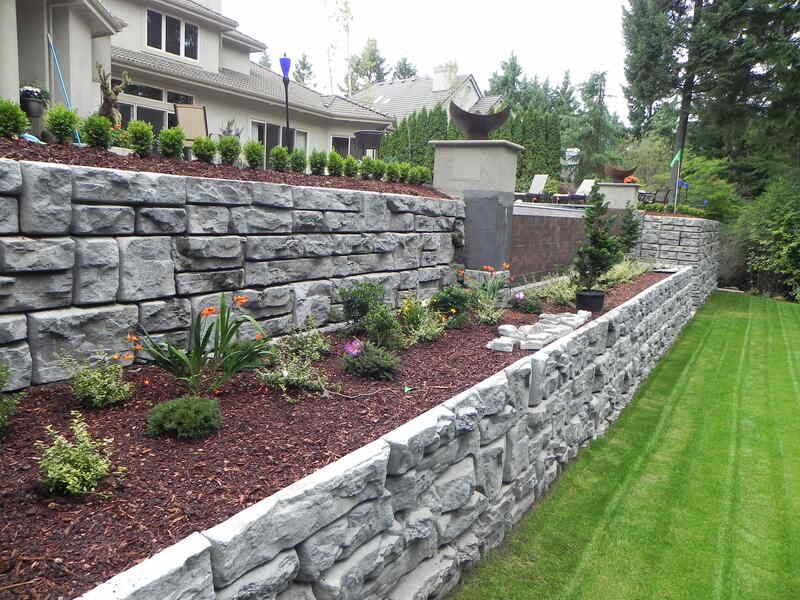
[543, 244]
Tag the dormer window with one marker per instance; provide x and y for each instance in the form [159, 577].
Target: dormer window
[172, 35]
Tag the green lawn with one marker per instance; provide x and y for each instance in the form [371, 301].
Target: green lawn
[695, 493]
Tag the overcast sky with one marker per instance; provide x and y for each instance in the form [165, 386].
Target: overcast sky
[548, 36]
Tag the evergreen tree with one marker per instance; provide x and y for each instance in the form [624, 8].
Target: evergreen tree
[509, 82]
[303, 72]
[368, 67]
[404, 69]
[264, 60]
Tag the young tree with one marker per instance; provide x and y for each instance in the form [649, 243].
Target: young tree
[365, 68]
[404, 69]
[303, 72]
[264, 60]
[597, 132]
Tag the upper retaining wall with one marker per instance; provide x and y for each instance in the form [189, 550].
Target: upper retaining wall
[86, 254]
[400, 518]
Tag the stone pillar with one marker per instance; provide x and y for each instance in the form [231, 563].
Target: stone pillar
[487, 228]
[460, 165]
[9, 65]
[620, 195]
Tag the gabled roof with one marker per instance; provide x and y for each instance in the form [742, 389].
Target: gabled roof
[402, 97]
[262, 84]
[199, 10]
[484, 105]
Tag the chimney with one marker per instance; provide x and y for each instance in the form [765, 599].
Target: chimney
[445, 76]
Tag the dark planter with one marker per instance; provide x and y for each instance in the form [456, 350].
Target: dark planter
[33, 107]
[590, 300]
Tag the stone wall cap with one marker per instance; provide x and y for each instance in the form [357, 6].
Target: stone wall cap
[477, 144]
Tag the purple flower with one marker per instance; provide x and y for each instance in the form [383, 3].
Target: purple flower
[354, 348]
[520, 296]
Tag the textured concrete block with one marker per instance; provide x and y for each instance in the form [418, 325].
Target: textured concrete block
[268, 302]
[9, 214]
[409, 442]
[24, 254]
[208, 219]
[160, 220]
[157, 189]
[96, 271]
[254, 219]
[218, 191]
[146, 268]
[13, 328]
[453, 488]
[102, 220]
[163, 315]
[297, 591]
[35, 291]
[17, 356]
[80, 332]
[91, 184]
[10, 177]
[272, 195]
[264, 581]
[207, 253]
[209, 281]
[45, 202]
[310, 198]
[286, 271]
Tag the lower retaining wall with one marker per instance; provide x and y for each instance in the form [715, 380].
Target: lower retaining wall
[400, 518]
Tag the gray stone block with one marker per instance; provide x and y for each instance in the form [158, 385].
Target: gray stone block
[452, 524]
[409, 442]
[406, 488]
[307, 221]
[310, 198]
[452, 489]
[9, 214]
[254, 219]
[264, 581]
[286, 271]
[433, 578]
[96, 271]
[342, 222]
[207, 253]
[489, 468]
[208, 219]
[146, 268]
[90, 184]
[517, 452]
[45, 201]
[160, 220]
[163, 315]
[283, 247]
[209, 281]
[273, 195]
[312, 310]
[79, 332]
[494, 426]
[13, 328]
[24, 254]
[102, 220]
[17, 356]
[218, 191]
[181, 571]
[35, 291]
[291, 515]
[268, 302]
[297, 591]
[10, 177]
[157, 189]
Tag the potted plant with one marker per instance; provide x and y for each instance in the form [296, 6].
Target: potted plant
[600, 252]
[33, 100]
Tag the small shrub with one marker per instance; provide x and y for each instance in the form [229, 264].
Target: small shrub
[485, 308]
[254, 154]
[293, 372]
[229, 149]
[451, 300]
[525, 303]
[13, 120]
[630, 227]
[171, 142]
[317, 162]
[427, 175]
[205, 149]
[120, 138]
[372, 361]
[73, 467]
[392, 172]
[559, 290]
[140, 135]
[297, 161]
[419, 323]
[187, 418]
[62, 123]
[382, 327]
[307, 342]
[378, 169]
[358, 299]
[366, 167]
[8, 407]
[96, 131]
[279, 159]
[404, 169]
[683, 209]
[458, 321]
[350, 167]
[100, 385]
[418, 175]
[624, 271]
[335, 164]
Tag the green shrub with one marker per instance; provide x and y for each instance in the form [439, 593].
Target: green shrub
[335, 164]
[350, 167]
[373, 362]
[452, 300]
[8, 407]
[96, 131]
[630, 228]
[293, 372]
[392, 172]
[404, 169]
[229, 149]
[485, 307]
[418, 175]
[140, 135]
[13, 120]
[559, 289]
[73, 467]
[601, 249]
[419, 323]
[358, 299]
[526, 303]
[62, 123]
[317, 162]
[205, 149]
[306, 342]
[683, 209]
[120, 138]
[101, 385]
[279, 159]
[171, 142]
[382, 327]
[378, 169]
[623, 272]
[254, 154]
[186, 418]
[297, 161]
[366, 167]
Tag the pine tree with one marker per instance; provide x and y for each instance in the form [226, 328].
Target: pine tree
[303, 72]
[404, 69]
[264, 60]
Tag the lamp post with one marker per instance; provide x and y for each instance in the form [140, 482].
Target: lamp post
[286, 64]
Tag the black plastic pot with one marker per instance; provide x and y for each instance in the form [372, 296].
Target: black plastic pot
[590, 300]
[33, 107]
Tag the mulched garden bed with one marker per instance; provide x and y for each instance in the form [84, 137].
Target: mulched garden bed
[55, 547]
[90, 157]
[656, 213]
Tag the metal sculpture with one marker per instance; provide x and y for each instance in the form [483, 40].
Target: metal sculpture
[110, 106]
[475, 126]
[618, 174]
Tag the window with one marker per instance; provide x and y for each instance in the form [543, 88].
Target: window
[172, 35]
[258, 132]
[300, 140]
[273, 136]
[143, 91]
[341, 145]
[153, 116]
[126, 110]
[178, 98]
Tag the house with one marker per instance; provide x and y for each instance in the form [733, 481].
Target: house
[175, 52]
[402, 97]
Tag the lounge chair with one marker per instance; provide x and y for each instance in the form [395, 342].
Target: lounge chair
[580, 195]
[536, 191]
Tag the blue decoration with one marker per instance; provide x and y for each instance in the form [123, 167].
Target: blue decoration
[286, 64]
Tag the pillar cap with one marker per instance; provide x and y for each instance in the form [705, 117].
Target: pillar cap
[477, 144]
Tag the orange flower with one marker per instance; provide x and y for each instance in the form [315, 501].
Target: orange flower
[146, 382]
[506, 266]
[132, 338]
[460, 272]
[241, 300]
[128, 356]
[115, 357]
[259, 336]
[138, 347]
[208, 311]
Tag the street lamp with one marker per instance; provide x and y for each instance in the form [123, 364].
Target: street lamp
[286, 64]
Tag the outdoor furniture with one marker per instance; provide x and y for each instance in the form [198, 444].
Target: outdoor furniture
[193, 120]
[536, 191]
[580, 195]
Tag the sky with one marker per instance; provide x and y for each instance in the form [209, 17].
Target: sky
[548, 36]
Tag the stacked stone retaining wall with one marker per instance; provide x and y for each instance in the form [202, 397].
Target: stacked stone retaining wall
[87, 253]
[401, 518]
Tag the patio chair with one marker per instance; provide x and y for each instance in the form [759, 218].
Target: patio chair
[580, 195]
[536, 191]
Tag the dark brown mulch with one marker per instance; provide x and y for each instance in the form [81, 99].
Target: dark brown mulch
[656, 213]
[53, 547]
[90, 157]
